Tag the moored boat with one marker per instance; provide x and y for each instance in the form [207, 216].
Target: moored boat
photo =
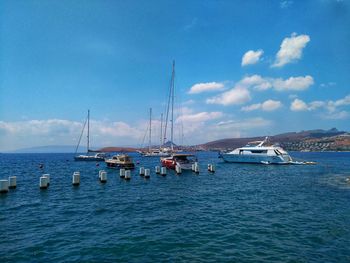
[120, 161]
[183, 160]
[98, 157]
[258, 152]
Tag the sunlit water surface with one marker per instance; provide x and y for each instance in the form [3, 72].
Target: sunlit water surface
[242, 213]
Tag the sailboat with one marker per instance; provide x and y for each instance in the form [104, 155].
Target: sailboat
[183, 160]
[154, 152]
[86, 157]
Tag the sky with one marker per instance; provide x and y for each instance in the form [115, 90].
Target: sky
[243, 68]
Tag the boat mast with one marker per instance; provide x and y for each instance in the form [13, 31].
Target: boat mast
[150, 130]
[88, 132]
[161, 131]
[172, 105]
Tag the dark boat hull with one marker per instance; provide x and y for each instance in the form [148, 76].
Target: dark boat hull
[119, 165]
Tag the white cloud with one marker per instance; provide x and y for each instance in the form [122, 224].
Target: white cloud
[256, 81]
[237, 95]
[240, 93]
[326, 85]
[204, 87]
[298, 105]
[269, 105]
[226, 129]
[293, 83]
[291, 49]
[285, 4]
[342, 102]
[199, 117]
[30, 133]
[331, 107]
[251, 57]
[252, 107]
[263, 83]
[316, 105]
[245, 124]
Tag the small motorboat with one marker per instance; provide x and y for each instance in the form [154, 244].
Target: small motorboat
[120, 161]
[183, 160]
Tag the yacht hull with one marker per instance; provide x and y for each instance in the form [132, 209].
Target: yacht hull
[238, 158]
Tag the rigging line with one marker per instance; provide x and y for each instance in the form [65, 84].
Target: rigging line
[172, 106]
[167, 114]
[81, 135]
[144, 137]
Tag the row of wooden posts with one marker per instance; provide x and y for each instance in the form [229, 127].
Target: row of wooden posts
[44, 182]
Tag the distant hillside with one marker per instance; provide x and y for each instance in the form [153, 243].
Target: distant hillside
[313, 140]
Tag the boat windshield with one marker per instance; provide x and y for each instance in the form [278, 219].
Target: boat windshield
[253, 144]
[185, 158]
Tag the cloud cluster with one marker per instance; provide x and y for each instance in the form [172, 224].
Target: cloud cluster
[291, 49]
[65, 132]
[331, 107]
[205, 87]
[291, 84]
[251, 57]
[268, 105]
[240, 93]
[199, 117]
[237, 95]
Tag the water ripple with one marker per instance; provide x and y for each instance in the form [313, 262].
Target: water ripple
[242, 213]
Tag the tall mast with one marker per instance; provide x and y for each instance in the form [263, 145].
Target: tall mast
[150, 130]
[161, 130]
[88, 132]
[172, 105]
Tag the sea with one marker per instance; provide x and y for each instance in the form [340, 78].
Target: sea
[240, 213]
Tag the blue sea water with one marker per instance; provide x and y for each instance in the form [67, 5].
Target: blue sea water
[241, 213]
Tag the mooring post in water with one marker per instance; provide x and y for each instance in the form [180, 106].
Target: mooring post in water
[192, 167]
[196, 168]
[103, 177]
[127, 175]
[12, 182]
[142, 171]
[157, 170]
[212, 168]
[122, 173]
[4, 186]
[178, 169]
[147, 173]
[99, 174]
[48, 178]
[163, 171]
[76, 178]
[44, 182]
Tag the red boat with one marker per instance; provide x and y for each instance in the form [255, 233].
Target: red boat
[185, 161]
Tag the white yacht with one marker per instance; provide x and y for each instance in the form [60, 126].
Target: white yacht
[258, 152]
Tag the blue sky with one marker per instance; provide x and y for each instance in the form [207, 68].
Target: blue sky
[243, 68]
